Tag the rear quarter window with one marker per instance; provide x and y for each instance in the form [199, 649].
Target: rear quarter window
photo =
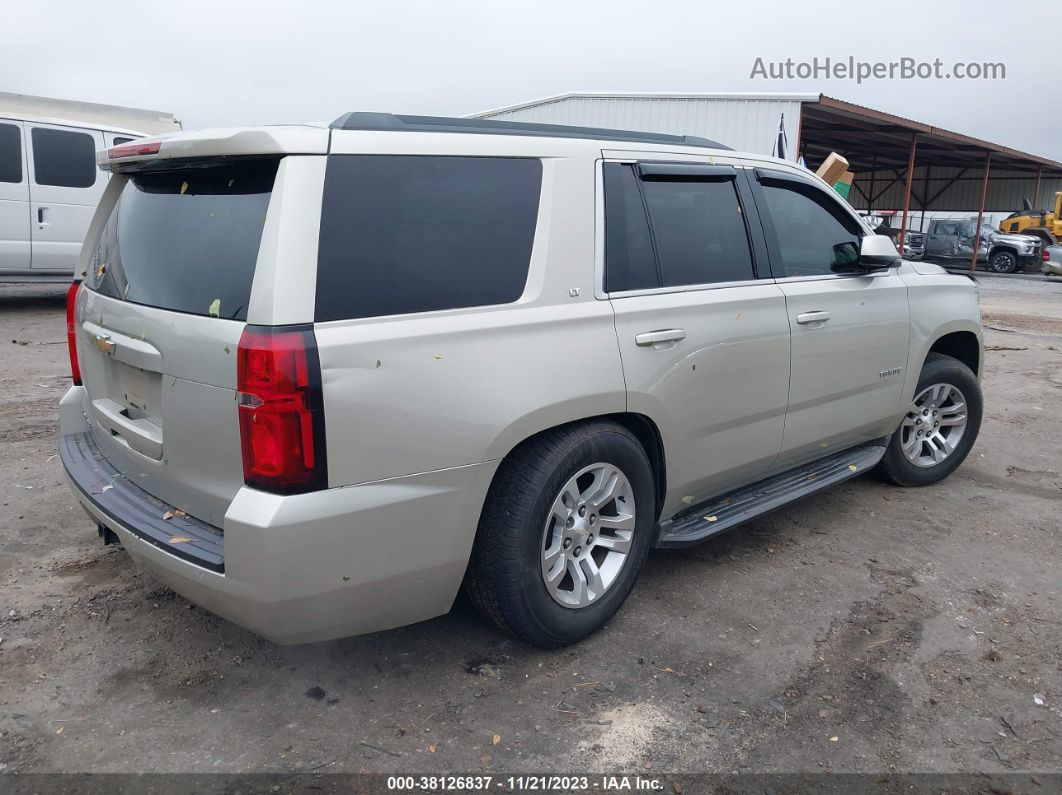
[186, 240]
[407, 233]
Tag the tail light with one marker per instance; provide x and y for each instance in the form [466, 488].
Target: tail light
[278, 382]
[71, 330]
[133, 150]
[1045, 255]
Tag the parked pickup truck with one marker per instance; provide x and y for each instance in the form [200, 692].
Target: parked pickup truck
[954, 240]
[914, 245]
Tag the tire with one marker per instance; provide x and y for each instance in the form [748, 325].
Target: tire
[521, 525]
[1003, 262]
[897, 466]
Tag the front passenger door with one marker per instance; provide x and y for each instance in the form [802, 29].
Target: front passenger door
[849, 330]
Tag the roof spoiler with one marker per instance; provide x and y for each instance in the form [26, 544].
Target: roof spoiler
[390, 122]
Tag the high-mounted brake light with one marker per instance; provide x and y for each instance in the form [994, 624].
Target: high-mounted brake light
[132, 150]
[71, 330]
[278, 383]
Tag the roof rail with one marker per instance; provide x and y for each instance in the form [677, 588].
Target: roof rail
[393, 122]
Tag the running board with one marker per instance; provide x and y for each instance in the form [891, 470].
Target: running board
[723, 513]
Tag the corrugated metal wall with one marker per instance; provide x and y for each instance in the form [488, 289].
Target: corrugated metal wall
[1006, 189]
[745, 124]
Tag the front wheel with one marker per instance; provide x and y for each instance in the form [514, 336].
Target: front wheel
[566, 526]
[939, 428]
[1003, 262]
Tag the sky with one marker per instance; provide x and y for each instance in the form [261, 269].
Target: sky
[234, 62]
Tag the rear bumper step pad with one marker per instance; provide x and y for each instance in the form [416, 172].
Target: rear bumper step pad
[133, 509]
[722, 513]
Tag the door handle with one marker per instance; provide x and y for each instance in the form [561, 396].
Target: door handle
[40, 217]
[647, 338]
[816, 318]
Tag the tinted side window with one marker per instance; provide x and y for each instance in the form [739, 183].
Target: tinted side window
[63, 158]
[121, 139]
[419, 233]
[629, 260]
[699, 231]
[811, 229]
[10, 153]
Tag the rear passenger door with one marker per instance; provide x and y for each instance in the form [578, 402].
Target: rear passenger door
[14, 198]
[65, 187]
[701, 326]
[849, 330]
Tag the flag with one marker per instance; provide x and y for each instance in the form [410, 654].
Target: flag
[781, 143]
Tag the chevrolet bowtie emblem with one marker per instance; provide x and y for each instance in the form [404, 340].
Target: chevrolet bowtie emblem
[104, 343]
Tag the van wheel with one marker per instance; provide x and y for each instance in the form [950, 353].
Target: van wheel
[939, 428]
[1003, 262]
[564, 531]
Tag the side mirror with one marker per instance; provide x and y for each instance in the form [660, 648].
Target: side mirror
[876, 253]
[845, 258]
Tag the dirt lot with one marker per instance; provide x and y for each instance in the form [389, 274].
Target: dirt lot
[869, 629]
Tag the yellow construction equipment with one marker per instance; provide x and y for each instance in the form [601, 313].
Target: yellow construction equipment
[1044, 224]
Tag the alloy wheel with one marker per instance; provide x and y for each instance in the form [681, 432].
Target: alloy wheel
[1001, 263]
[934, 425]
[588, 535]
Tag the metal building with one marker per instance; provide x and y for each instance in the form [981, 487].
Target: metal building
[899, 164]
[66, 110]
[746, 122]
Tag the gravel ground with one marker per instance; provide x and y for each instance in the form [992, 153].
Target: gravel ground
[866, 629]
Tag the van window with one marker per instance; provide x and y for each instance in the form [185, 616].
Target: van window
[407, 233]
[10, 153]
[699, 231]
[186, 240]
[63, 158]
[121, 139]
[813, 231]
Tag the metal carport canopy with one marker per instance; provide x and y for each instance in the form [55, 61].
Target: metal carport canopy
[869, 138]
[872, 140]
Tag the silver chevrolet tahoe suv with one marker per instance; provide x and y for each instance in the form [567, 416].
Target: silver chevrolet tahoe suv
[325, 375]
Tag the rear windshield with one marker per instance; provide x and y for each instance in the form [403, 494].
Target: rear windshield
[186, 240]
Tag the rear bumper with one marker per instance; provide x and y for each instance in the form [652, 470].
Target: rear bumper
[305, 567]
[110, 493]
[1053, 268]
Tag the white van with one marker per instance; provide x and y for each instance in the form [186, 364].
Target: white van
[49, 182]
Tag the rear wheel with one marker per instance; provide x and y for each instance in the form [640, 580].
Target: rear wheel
[939, 428]
[566, 526]
[1003, 262]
